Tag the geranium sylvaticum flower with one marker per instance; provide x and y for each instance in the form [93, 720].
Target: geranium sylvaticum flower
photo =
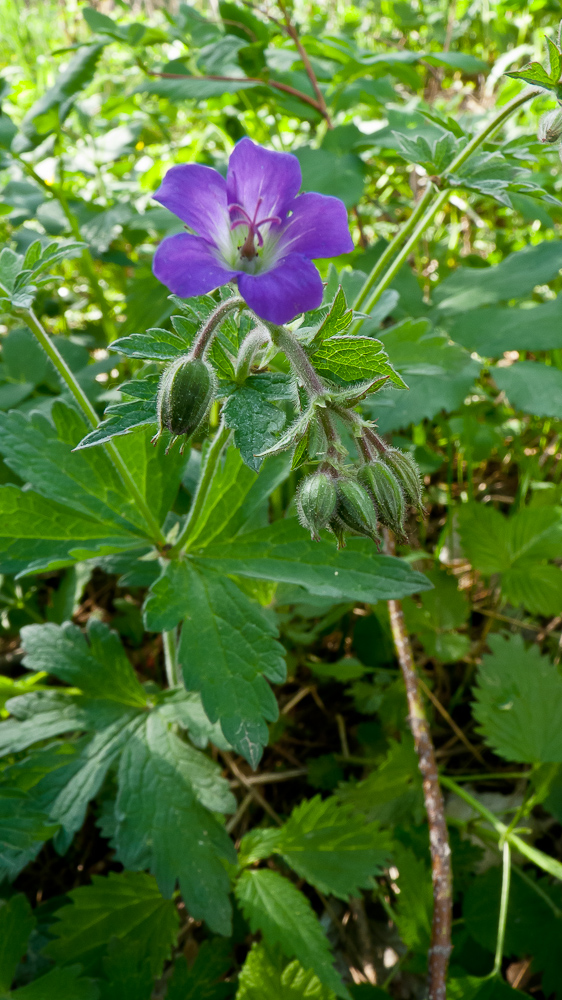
[254, 227]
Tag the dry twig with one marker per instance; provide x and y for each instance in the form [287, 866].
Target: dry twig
[440, 949]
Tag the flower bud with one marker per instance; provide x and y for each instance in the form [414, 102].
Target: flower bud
[355, 508]
[550, 127]
[407, 473]
[316, 502]
[187, 389]
[381, 482]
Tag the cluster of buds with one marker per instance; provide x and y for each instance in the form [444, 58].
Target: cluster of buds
[378, 493]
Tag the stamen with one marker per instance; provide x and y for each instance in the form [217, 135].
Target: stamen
[248, 249]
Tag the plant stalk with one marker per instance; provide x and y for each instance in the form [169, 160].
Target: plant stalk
[426, 210]
[298, 359]
[91, 416]
[539, 858]
[204, 338]
[393, 246]
[210, 464]
[504, 903]
[440, 949]
[169, 645]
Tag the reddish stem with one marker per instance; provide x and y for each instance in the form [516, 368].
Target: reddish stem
[440, 950]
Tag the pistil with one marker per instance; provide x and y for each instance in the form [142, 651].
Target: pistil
[248, 249]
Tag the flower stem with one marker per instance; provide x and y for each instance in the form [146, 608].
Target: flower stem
[425, 211]
[91, 416]
[393, 246]
[210, 464]
[298, 359]
[438, 959]
[504, 902]
[204, 338]
[169, 644]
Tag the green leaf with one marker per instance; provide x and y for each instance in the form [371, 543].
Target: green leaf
[283, 551]
[58, 983]
[337, 320]
[353, 359]
[121, 418]
[439, 375]
[159, 800]
[472, 988]
[332, 174]
[532, 927]
[532, 387]
[59, 98]
[194, 88]
[39, 716]
[154, 345]
[492, 331]
[255, 422]
[199, 982]
[127, 972]
[536, 587]
[274, 906]
[516, 547]
[414, 905]
[126, 906]
[442, 609]
[21, 825]
[536, 75]
[16, 924]
[262, 976]
[519, 701]
[36, 532]
[555, 60]
[513, 278]
[325, 845]
[41, 453]
[392, 793]
[227, 649]
[229, 489]
[97, 665]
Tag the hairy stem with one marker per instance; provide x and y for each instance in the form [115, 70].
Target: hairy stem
[208, 470]
[425, 211]
[440, 949]
[91, 416]
[298, 359]
[204, 338]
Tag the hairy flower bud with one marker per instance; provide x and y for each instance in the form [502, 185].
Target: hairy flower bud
[355, 508]
[407, 473]
[381, 482]
[550, 127]
[316, 502]
[187, 389]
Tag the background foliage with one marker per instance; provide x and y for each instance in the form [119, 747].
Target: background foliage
[140, 854]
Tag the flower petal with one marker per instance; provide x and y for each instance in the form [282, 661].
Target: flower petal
[197, 195]
[254, 172]
[187, 266]
[294, 286]
[317, 227]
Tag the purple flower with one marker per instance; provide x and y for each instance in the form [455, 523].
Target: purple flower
[253, 227]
